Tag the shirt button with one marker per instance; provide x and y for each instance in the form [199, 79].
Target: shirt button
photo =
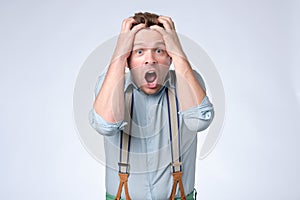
[207, 115]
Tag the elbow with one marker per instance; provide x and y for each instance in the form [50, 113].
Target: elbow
[103, 127]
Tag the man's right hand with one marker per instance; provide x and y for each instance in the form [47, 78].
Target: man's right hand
[109, 103]
[126, 38]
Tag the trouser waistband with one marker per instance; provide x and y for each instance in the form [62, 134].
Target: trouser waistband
[191, 196]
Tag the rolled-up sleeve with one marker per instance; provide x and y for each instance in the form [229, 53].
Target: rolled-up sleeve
[97, 122]
[103, 127]
[200, 117]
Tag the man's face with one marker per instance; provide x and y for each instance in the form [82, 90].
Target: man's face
[149, 61]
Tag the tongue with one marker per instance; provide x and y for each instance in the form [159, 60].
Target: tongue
[150, 77]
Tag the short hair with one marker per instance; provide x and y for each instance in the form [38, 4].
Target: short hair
[149, 19]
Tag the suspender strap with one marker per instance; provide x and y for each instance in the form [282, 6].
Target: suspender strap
[123, 181]
[125, 146]
[177, 178]
[174, 130]
[125, 135]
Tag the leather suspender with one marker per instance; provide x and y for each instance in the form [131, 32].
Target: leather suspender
[125, 147]
[174, 130]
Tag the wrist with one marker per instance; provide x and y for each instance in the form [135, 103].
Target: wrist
[181, 64]
[119, 60]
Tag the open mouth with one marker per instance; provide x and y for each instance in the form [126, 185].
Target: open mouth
[150, 76]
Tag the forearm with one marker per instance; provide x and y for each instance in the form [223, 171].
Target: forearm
[190, 92]
[109, 102]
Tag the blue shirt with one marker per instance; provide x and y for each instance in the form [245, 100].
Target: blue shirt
[150, 157]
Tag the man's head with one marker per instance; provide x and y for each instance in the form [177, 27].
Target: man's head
[149, 61]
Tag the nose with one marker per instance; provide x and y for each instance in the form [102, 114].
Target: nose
[150, 58]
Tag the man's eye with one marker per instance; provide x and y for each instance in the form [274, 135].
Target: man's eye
[159, 51]
[140, 51]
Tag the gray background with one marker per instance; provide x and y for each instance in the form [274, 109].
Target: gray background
[255, 47]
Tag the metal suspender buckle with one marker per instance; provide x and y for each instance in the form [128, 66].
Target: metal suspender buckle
[123, 167]
[176, 164]
[123, 164]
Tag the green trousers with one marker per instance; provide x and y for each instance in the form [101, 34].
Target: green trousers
[188, 197]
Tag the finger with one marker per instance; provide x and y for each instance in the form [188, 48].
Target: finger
[169, 19]
[159, 29]
[138, 27]
[167, 22]
[127, 24]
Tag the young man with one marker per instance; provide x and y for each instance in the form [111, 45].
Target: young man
[150, 116]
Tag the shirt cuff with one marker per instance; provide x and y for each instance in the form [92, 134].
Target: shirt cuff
[103, 127]
[199, 117]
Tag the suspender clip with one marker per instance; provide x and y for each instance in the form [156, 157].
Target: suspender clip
[176, 164]
[123, 164]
